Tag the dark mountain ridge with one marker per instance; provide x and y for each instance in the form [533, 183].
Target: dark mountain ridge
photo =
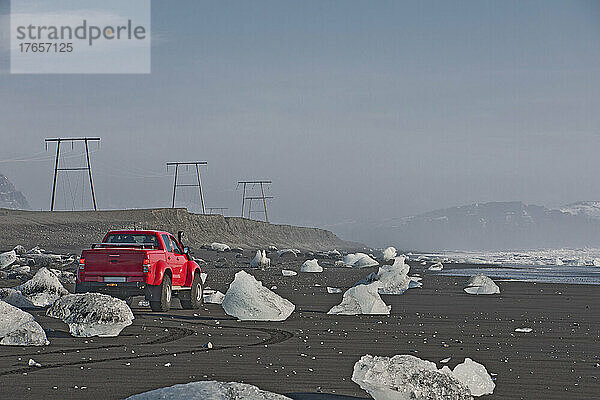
[483, 226]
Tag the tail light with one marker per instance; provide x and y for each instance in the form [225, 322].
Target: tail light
[146, 265]
[82, 263]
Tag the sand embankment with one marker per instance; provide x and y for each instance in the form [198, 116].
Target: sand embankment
[72, 231]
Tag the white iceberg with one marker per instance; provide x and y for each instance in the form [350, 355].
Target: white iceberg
[18, 328]
[213, 296]
[15, 298]
[260, 259]
[43, 259]
[389, 253]
[248, 300]
[92, 314]
[288, 252]
[7, 258]
[400, 262]
[392, 279]
[438, 266]
[404, 377]
[18, 269]
[219, 247]
[43, 289]
[524, 330]
[28, 334]
[332, 290]
[475, 377]
[481, 284]
[334, 254]
[359, 260]
[361, 299]
[272, 248]
[33, 363]
[20, 250]
[287, 272]
[311, 266]
[209, 390]
[64, 277]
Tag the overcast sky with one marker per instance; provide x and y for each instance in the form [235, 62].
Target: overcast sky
[356, 110]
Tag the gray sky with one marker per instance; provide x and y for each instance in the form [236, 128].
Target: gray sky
[356, 110]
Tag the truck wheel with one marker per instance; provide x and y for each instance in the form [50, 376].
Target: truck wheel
[165, 296]
[195, 300]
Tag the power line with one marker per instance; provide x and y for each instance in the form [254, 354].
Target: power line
[220, 210]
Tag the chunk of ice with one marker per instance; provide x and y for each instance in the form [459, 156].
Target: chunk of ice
[361, 299]
[311, 266]
[33, 363]
[475, 377]
[260, 259]
[28, 334]
[18, 328]
[404, 377]
[334, 254]
[481, 284]
[359, 260]
[92, 314]
[524, 330]
[7, 258]
[43, 289]
[20, 250]
[64, 277]
[15, 298]
[391, 279]
[248, 300]
[219, 247]
[332, 290]
[288, 252]
[438, 266]
[389, 253]
[11, 317]
[287, 272]
[209, 390]
[213, 296]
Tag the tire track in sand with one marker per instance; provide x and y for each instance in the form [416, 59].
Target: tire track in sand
[275, 336]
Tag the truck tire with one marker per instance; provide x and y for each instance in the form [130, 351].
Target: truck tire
[129, 301]
[166, 292]
[195, 300]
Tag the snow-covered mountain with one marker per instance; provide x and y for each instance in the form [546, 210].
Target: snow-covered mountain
[10, 197]
[482, 226]
[589, 209]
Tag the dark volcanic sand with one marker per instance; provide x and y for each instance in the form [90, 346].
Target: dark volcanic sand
[311, 355]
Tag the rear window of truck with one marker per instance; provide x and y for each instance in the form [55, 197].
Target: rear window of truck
[168, 245]
[128, 238]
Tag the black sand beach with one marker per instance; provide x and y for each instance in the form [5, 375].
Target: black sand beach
[311, 355]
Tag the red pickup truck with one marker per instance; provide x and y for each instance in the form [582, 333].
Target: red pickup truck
[133, 263]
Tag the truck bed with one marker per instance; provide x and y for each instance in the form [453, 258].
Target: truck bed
[114, 264]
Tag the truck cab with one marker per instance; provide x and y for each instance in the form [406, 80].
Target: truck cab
[151, 263]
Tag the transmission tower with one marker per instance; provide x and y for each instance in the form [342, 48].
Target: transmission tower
[198, 185]
[261, 197]
[58, 141]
